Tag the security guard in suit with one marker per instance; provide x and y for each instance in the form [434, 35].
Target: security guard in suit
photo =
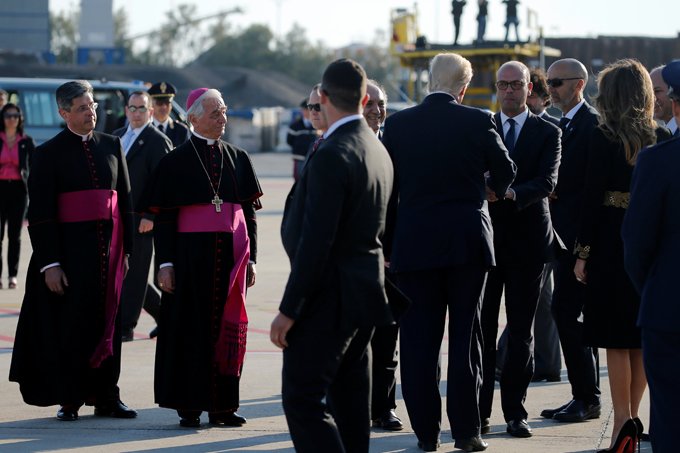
[162, 94]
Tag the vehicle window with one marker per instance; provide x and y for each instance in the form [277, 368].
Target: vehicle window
[40, 109]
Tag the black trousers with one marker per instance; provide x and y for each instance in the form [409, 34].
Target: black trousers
[522, 284]
[547, 355]
[13, 200]
[457, 289]
[661, 355]
[325, 361]
[568, 300]
[384, 382]
[137, 292]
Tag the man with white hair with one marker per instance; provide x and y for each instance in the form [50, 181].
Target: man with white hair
[441, 151]
[204, 198]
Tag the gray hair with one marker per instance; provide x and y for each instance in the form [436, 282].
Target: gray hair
[67, 92]
[449, 72]
[196, 108]
[377, 84]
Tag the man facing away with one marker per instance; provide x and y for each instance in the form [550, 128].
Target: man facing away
[567, 79]
[524, 240]
[204, 195]
[144, 146]
[335, 296]
[442, 246]
[67, 346]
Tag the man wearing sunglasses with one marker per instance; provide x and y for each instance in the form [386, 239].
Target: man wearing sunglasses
[301, 135]
[567, 80]
[162, 94]
[144, 147]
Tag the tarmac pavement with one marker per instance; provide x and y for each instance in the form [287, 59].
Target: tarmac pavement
[25, 428]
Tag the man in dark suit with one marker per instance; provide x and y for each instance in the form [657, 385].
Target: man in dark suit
[567, 79]
[331, 230]
[442, 246]
[144, 147]
[301, 134]
[651, 240]
[162, 94]
[524, 240]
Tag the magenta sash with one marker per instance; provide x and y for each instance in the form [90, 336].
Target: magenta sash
[230, 349]
[100, 204]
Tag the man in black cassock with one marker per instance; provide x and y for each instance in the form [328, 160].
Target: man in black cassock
[204, 195]
[67, 345]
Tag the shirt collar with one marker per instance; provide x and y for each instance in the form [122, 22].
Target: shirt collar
[83, 138]
[164, 124]
[211, 141]
[519, 119]
[571, 113]
[340, 122]
[443, 92]
[138, 130]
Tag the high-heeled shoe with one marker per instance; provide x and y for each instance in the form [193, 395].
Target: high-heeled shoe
[644, 437]
[626, 441]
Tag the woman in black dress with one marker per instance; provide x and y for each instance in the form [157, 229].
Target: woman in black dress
[626, 106]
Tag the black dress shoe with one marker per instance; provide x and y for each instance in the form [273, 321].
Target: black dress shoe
[190, 422]
[486, 426]
[546, 377]
[471, 444]
[518, 428]
[127, 335]
[115, 409]
[428, 446]
[389, 421]
[227, 419]
[550, 413]
[67, 413]
[154, 332]
[578, 411]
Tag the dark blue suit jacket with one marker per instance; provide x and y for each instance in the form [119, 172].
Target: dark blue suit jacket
[523, 231]
[566, 208]
[651, 235]
[440, 151]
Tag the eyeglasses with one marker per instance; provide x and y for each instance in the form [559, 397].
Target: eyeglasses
[316, 107]
[9, 116]
[140, 109]
[515, 84]
[559, 82]
[89, 107]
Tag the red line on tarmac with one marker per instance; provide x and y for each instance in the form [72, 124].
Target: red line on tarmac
[8, 311]
[6, 338]
[262, 331]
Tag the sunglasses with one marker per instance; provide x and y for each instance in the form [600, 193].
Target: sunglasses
[9, 116]
[559, 82]
[134, 108]
[316, 107]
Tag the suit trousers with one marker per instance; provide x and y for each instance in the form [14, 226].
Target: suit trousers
[547, 355]
[661, 356]
[432, 292]
[384, 368]
[135, 284]
[522, 285]
[568, 300]
[324, 360]
[13, 200]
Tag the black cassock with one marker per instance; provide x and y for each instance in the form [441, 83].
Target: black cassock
[57, 335]
[186, 374]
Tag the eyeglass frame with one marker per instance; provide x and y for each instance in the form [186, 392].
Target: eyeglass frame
[315, 107]
[558, 82]
[514, 84]
[9, 116]
[141, 109]
[84, 108]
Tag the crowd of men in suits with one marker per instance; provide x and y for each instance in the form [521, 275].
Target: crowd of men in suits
[391, 224]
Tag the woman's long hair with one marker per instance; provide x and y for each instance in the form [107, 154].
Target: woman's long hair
[626, 105]
[20, 124]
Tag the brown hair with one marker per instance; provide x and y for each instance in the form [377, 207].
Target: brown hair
[20, 125]
[626, 105]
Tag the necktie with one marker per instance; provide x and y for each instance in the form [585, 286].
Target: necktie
[510, 136]
[128, 139]
[316, 145]
[161, 128]
[564, 121]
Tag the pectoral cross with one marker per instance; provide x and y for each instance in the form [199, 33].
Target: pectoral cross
[217, 201]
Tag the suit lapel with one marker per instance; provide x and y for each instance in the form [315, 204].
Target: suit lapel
[525, 133]
[574, 122]
[137, 144]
